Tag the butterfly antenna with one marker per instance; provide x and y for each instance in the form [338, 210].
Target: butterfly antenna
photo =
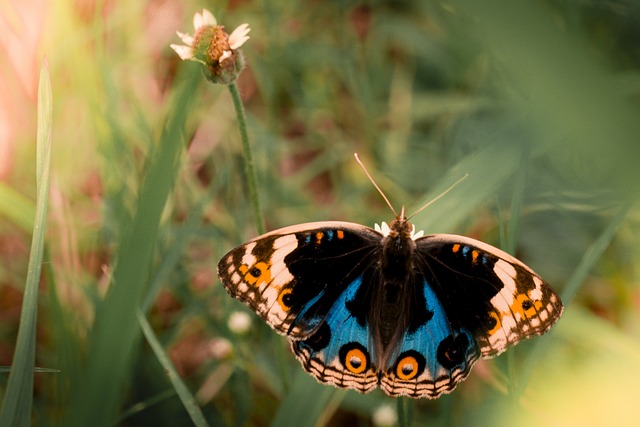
[451, 187]
[374, 184]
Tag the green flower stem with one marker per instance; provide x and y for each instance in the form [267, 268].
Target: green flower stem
[248, 158]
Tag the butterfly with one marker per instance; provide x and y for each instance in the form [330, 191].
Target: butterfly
[388, 307]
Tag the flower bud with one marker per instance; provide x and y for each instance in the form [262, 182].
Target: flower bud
[216, 50]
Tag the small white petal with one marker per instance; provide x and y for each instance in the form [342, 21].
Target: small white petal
[186, 38]
[197, 21]
[415, 235]
[205, 19]
[382, 228]
[225, 55]
[184, 52]
[239, 36]
[385, 228]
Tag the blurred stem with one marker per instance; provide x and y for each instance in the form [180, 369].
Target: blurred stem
[405, 411]
[248, 158]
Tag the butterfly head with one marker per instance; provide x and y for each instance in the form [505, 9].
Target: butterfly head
[399, 227]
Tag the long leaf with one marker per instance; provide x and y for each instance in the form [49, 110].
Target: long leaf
[18, 399]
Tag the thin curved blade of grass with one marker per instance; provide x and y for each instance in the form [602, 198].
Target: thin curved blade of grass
[511, 239]
[145, 405]
[47, 370]
[183, 392]
[18, 398]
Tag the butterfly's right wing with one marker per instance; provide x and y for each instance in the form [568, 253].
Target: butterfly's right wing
[291, 277]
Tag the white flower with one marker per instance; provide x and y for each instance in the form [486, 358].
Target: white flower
[211, 46]
[385, 230]
[203, 20]
[239, 322]
[385, 416]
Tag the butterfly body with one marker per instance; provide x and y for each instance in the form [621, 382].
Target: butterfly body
[387, 308]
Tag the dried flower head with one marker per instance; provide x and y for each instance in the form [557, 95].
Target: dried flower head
[214, 48]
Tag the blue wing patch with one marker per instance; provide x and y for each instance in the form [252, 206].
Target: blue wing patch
[433, 359]
[337, 353]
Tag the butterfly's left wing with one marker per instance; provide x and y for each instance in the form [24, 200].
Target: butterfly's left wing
[291, 277]
[486, 291]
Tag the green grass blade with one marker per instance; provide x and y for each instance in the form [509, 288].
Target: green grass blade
[183, 392]
[406, 409]
[517, 202]
[116, 335]
[4, 369]
[18, 398]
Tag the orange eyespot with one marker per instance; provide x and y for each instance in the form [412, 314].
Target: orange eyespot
[496, 317]
[319, 236]
[355, 361]
[455, 248]
[284, 299]
[340, 234]
[526, 306]
[407, 368]
[474, 256]
[259, 273]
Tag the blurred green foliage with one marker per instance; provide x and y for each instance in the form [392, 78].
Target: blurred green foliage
[537, 101]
